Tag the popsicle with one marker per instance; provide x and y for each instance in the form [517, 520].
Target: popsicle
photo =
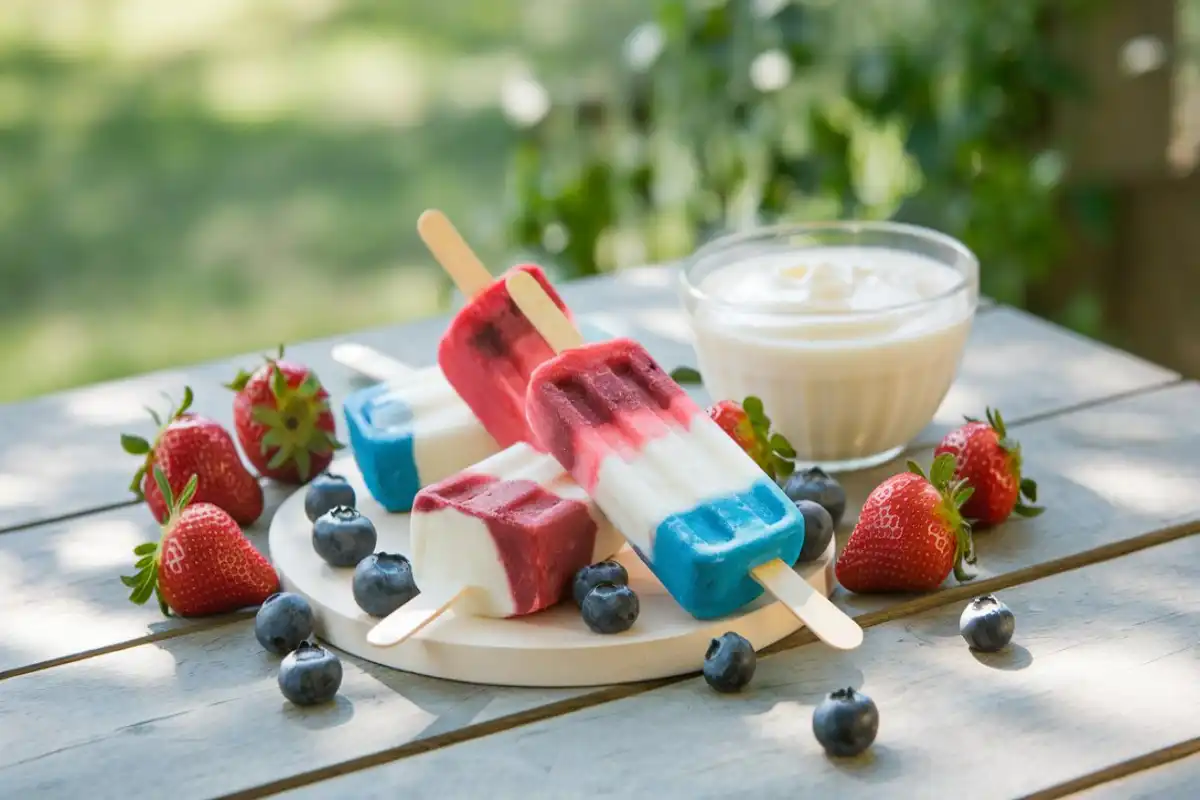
[712, 527]
[411, 431]
[489, 349]
[502, 538]
[418, 430]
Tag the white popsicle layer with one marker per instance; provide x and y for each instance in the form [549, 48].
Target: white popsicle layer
[514, 527]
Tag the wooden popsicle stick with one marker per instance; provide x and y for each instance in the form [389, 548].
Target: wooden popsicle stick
[814, 609]
[547, 318]
[830, 624]
[453, 253]
[414, 615]
[370, 362]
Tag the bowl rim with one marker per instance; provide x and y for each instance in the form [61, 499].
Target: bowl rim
[968, 278]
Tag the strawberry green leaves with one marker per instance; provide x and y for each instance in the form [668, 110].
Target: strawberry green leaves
[134, 445]
[686, 375]
[1028, 492]
[139, 446]
[773, 452]
[1021, 491]
[954, 492]
[144, 582]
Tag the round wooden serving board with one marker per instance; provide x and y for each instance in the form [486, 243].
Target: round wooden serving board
[548, 649]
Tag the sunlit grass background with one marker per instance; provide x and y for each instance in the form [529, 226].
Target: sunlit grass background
[185, 180]
[182, 180]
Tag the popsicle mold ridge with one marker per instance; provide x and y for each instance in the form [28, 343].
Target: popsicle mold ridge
[515, 525]
[408, 436]
[488, 352]
[695, 507]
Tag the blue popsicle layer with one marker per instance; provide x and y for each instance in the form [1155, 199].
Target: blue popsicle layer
[703, 556]
[384, 455]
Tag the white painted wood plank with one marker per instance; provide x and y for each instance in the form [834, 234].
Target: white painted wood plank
[196, 716]
[1178, 780]
[60, 454]
[1108, 474]
[222, 691]
[60, 593]
[1103, 668]
[1104, 473]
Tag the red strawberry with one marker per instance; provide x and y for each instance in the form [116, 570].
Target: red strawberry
[732, 419]
[910, 534]
[282, 417]
[203, 564]
[749, 426]
[188, 445]
[990, 462]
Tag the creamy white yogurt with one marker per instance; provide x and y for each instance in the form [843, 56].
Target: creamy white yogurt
[851, 348]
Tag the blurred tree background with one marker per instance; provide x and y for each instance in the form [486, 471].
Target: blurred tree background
[183, 181]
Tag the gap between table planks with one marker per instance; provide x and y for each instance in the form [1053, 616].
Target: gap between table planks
[60, 455]
[217, 685]
[88, 553]
[1172, 772]
[1102, 667]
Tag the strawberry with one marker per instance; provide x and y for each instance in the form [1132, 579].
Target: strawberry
[910, 534]
[282, 418]
[749, 426]
[990, 462]
[203, 563]
[189, 444]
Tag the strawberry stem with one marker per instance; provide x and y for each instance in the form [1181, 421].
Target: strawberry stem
[954, 494]
[138, 446]
[144, 582]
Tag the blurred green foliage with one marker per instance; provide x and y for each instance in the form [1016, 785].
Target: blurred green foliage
[733, 113]
[186, 181]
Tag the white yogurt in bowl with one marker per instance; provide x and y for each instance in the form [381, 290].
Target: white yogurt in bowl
[851, 333]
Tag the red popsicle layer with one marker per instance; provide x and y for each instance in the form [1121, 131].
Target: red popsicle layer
[488, 353]
[542, 539]
[600, 399]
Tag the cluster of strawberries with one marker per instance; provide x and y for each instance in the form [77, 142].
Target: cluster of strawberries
[914, 529]
[196, 485]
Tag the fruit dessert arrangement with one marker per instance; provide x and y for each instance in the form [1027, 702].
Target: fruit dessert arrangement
[542, 515]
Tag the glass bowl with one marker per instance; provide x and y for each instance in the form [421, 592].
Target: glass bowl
[851, 333]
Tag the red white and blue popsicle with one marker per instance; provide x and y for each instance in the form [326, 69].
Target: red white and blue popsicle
[711, 525]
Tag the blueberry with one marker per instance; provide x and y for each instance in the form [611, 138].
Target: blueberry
[592, 575]
[283, 621]
[818, 530]
[987, 624]
[609, 608]
[729, 662]
[343, 537]
[815, 485]
[326, 492]
[310, 674]
[846, 723]
[382, 583]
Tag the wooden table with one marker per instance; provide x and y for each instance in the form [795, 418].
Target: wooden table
[100, 698]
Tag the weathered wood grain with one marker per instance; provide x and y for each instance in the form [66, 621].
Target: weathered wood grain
[1149, 440]
[1108, 474]
[59, 590]
[1102, 668]
[195, 716]
[1177, 780]
[1104, 474]
[59, 455]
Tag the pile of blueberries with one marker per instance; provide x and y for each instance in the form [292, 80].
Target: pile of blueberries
[310, 674]
[343, 537]
[609, 605]
[845, 723]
